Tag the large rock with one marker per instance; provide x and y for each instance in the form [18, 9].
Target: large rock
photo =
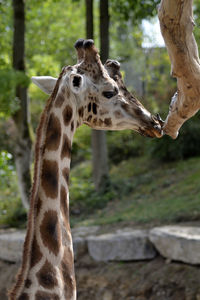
[11, 246]
[177, 243]
[84, 231]
[121, 246]
[79, 235]
[79, 247]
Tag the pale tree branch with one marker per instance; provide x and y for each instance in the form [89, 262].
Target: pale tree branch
[176, 23]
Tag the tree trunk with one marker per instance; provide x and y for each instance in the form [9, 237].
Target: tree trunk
[176, 22]
[22, 151]
[89, 19]
[99, 145]
[104, 30]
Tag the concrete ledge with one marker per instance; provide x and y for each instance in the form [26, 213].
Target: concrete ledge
[11, 246]
[177, 243]
[123, 246]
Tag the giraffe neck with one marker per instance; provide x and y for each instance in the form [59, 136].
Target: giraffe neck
[47, 269]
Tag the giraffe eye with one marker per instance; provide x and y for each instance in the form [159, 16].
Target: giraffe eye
[110, 94]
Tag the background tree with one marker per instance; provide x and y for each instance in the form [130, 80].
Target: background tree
[98, 137]
[99, 145]
[21, 138]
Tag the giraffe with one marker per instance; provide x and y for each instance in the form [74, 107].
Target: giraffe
[88, 93]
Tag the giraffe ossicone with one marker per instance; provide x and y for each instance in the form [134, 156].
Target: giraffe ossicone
[88, 93]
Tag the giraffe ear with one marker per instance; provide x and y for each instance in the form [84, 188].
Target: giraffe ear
[45, 83]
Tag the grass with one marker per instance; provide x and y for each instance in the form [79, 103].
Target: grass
[157, 193]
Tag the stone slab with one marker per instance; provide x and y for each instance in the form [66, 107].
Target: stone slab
[79, 247]
[177, 243]
[11, 246]
[121, 246]
[84, 231]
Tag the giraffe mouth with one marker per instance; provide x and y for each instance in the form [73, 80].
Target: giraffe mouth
[155, 131]
[151, 133]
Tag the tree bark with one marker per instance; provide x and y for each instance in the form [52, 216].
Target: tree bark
[104, 30]
[22, 151]
[89, 19]
[176, 22]
[99, 145]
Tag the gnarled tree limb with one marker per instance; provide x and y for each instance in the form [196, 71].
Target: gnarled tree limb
[176, 22]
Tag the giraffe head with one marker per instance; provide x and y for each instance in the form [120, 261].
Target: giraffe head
[99, 95]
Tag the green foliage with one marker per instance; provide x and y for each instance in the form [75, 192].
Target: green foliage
[52, 29]
[9, 80]
[186, 145]
[6, 166]
[5, 33]
[83, 198]
[81, 149]
[157, 194]
[134, 10]
[11, 210]
[124, 144]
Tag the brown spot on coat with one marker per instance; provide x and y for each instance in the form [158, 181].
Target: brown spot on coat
[63, 89]
[65, 173]
[72, 126]
[80, 112]
[108, 122]
[28, 283]
[23, 296]
[100, 122]
[68, 93]
[36, 255]
[138, 111]
[66, 147]
[60, 99]
[125, 106]
[89, 107]
[47, 276]
[53, 133]
[118, 114]
[41, 295]
[67, 115]
[63, 202]
[50, 231]
[68, 273]
[94, 108]
[103, 112]
[89, 118]
[50, 178]
[38, 206]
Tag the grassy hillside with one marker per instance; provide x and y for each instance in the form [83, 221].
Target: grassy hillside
[141, 192]
[144, 192]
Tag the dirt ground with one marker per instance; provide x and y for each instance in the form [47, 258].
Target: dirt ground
[157, 279]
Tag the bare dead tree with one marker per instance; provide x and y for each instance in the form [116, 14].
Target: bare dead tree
[176, 22]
